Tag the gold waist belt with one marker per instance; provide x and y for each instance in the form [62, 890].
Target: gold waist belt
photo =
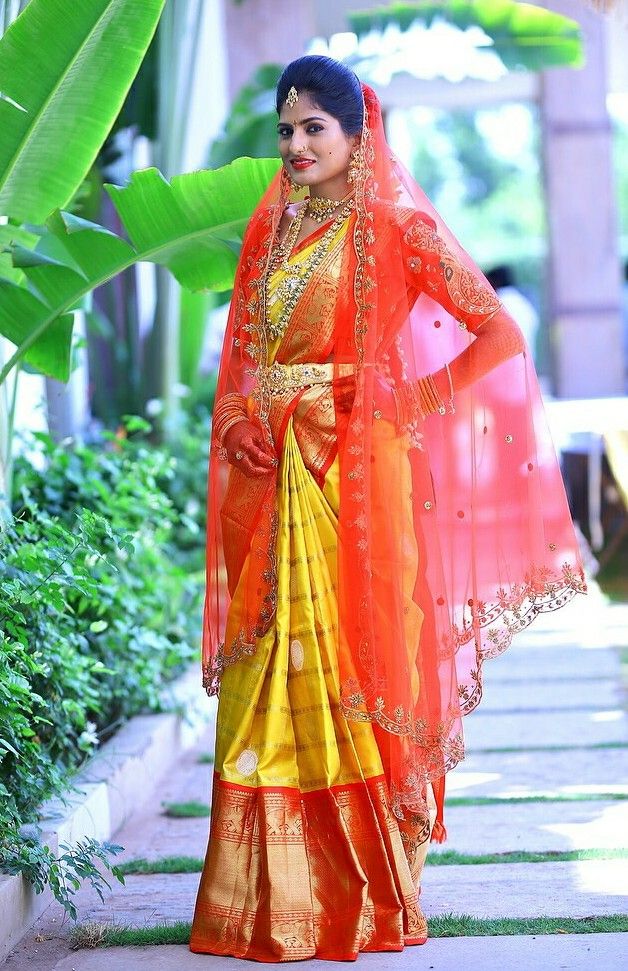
[285, 377]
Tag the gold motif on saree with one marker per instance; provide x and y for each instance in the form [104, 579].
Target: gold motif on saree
[297, 655]
[246, 763]
[467, 292]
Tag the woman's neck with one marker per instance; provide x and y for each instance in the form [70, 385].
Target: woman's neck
[336, 189]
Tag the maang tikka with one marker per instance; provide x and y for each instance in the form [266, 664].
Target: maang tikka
[292, 97]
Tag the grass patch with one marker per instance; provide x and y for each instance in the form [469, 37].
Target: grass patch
[205, 758]
[185, 810]
[461, 925]
[453, 858]
[167, 864]
[193, 864]
[109, 935]
[559, 797]
[519, 750]
[449, 925]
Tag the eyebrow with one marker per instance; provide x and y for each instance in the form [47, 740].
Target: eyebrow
[280, 124]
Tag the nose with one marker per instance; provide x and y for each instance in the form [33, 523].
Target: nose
[297, 143]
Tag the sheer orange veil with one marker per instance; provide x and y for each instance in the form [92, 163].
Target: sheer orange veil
[451, 539]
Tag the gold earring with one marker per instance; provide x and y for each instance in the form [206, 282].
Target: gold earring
[355, 166]
[294, 186]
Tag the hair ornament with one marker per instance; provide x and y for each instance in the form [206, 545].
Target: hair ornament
[292, 97]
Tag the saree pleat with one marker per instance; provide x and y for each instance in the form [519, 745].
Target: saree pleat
[305, 857]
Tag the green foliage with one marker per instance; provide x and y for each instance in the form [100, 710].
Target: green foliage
[98, 611]
[72, 84]
[193, 225]
[187, 488]
[492, 198]
[620, 153]
[458, 166]
[64, 873]
[250, 128]
[185, 810]
[523, 35]
[134, 615]
[167, 864]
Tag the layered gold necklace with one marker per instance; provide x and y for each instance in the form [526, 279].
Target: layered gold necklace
[297, 275]
[320, 209]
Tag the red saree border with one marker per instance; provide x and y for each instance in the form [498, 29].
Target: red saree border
[287, 877]
[359, 783]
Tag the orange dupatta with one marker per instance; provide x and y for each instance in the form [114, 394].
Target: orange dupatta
[487, 514]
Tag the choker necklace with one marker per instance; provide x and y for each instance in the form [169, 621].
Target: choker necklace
[320, 209]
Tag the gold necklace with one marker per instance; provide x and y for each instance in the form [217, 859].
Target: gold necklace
[298, 275]
[320, 209]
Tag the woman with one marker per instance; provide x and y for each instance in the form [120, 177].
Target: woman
[385, 512]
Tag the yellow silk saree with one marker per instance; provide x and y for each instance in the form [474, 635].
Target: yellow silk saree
[305, 856]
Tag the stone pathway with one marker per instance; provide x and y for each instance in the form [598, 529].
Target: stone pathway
[574, 953]
[552, 724]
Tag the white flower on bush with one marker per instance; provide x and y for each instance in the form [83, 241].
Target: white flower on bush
[192, 507]
[88, 739]
[154, 406]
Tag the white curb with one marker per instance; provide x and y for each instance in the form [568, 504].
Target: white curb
[112, 786]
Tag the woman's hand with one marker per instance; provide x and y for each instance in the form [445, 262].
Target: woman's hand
[247, 450]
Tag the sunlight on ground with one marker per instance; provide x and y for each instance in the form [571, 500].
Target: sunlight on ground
[606, 877]
[606, 829]
[457, 781]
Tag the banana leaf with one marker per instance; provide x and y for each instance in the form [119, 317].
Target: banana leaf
[65, 69]
[193, 225]
[523, 36]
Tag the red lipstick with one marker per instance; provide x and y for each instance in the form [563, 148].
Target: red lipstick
[301, 163]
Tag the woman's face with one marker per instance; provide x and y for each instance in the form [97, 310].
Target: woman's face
[314, 149]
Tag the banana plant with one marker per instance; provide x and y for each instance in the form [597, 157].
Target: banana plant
[193, 225]
[65, 70]
[522, 35]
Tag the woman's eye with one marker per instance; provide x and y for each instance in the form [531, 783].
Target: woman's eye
[287, 132]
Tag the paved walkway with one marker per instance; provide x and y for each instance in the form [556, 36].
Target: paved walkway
[552, 724]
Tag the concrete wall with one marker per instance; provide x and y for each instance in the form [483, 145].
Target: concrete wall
[585, 281]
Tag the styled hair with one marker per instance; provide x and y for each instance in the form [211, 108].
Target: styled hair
[331, 85]
[500, 276]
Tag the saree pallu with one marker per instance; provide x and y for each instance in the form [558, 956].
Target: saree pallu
[305, 857]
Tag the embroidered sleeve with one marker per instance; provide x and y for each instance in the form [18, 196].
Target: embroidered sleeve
[432, 268]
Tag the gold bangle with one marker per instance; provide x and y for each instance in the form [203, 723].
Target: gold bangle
[451, 390]
[428, 402]
[224, 428]
[408, 404]
[430, 398]
[230, 409]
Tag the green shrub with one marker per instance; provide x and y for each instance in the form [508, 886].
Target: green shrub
[98, 612]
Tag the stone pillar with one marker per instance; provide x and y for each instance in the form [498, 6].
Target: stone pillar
[585, 279]
[265, 32]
